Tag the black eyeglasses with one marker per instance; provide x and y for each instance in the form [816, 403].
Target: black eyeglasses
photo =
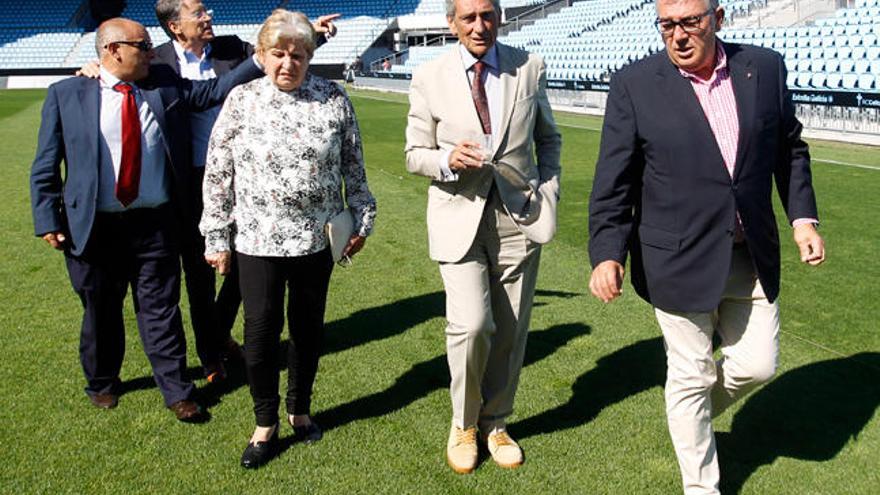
[142, 45]
[690, 25]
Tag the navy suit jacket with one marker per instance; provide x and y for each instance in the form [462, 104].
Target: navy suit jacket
[70, 132]
[663, 194]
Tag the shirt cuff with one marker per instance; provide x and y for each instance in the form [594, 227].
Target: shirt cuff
[802, 221]
[217, 241]
[446, 174]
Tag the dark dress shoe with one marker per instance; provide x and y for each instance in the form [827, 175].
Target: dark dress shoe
[104, 401]
[307, 434]
[188, 411]
[257, 454]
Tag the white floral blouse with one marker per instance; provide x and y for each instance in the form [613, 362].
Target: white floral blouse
[276, 165]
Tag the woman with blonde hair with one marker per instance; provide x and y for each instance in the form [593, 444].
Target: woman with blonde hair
[283, 152]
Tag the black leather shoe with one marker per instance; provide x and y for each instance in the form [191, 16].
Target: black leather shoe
[257, 454]
[307, 434]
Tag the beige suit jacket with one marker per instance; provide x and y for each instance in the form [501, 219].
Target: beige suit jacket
[442, 114]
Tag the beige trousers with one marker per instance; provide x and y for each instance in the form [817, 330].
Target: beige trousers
[488, 305]
[697, 386]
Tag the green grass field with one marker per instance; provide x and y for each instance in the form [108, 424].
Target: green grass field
[590, 405]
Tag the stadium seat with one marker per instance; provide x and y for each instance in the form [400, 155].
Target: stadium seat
[803, 79]
[866, 81]
[848, 81]
[833, 81]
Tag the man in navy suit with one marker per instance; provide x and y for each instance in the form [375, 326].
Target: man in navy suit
[125, 141]
[195, 53]
[692, 141]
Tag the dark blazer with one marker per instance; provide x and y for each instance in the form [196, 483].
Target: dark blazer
[70, 131]
[226, 53]
[662, 193]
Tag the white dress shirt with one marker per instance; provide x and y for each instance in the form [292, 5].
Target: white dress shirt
[197, 68]
[153, 188]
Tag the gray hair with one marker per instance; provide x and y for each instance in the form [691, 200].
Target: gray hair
[450, 7]
[286, 25]
[167, 11]
[710, 4]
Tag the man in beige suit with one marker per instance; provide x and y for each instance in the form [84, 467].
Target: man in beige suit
[481, 128]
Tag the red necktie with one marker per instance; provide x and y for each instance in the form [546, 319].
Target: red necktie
[478, 92]
[130, 165]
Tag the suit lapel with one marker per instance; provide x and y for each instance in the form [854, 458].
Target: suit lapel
[745, 80]
[89, 96]
[509, 86]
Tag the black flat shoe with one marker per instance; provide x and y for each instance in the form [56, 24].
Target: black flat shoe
[257, 454]
[307, 434]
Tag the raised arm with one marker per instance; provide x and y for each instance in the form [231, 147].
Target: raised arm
[201, 95]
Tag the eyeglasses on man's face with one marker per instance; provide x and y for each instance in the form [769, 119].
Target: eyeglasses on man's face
[198, 15]
[690, 25]
[142, 45]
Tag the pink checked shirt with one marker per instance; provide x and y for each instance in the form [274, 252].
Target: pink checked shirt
[719, 105]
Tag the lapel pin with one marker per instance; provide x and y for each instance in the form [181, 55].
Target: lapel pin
[748, 75]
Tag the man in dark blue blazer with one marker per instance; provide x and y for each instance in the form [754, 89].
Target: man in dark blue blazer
[692, 141]
[110, 243]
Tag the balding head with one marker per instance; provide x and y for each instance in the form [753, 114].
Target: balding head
[116, 42]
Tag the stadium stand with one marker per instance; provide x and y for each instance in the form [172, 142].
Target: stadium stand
[582, 41]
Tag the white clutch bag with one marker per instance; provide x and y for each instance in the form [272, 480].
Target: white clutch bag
[339, 230]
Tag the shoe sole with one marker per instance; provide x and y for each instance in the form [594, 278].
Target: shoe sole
[459, 469]
[508, 466]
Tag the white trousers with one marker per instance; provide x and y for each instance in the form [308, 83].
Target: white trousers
[488, 305]
[697, 386]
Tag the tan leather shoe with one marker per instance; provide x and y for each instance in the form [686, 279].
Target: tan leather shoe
[505, 451]
[461, 450]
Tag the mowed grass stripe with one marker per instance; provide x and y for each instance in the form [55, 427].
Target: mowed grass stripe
[590, 406]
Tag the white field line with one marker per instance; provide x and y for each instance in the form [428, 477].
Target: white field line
[598, 129]
[847, 164]
[824, 348]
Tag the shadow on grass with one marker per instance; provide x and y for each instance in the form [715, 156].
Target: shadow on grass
[808, 413]
[382, 322]
[617, 376]
[208, 395]
[359, 328]
[428, 376]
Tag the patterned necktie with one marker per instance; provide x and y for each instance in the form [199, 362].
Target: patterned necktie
[478, 92]
[129, 179]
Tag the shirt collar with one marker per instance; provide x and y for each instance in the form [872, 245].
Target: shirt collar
[108, 80]
[720, 65]
[490, 58]
[186, 56]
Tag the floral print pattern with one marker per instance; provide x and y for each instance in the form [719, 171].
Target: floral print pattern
[278, 164]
